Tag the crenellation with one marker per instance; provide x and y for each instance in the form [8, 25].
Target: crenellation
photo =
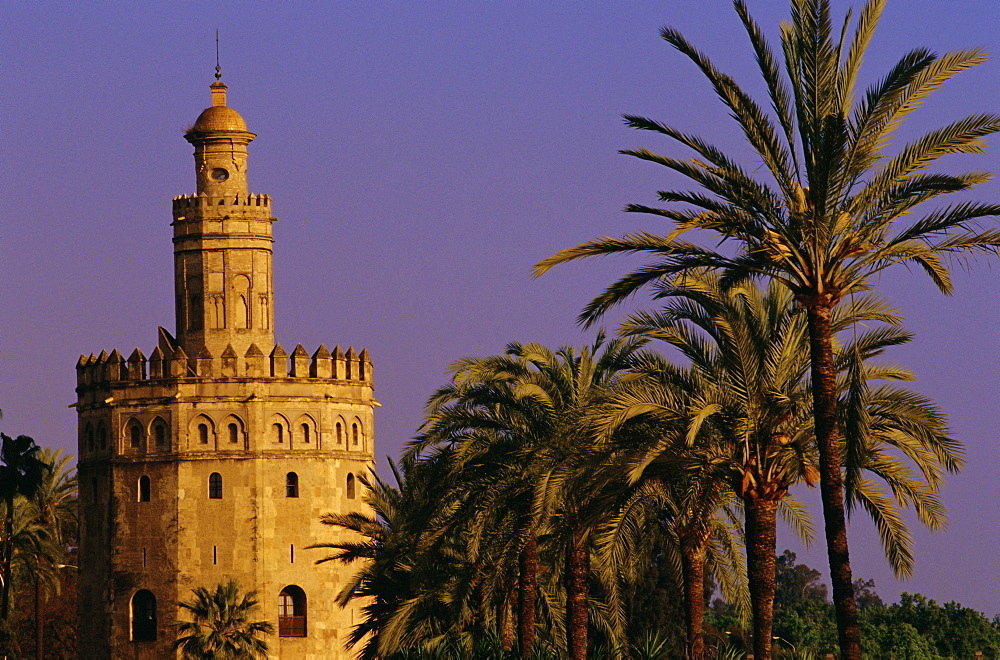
[279, 362]
[179, 364]
[364, 366]
[256, 362]
[339, 363]
[203, 363]
[157, 364]
[230, 362]
[352, 364]
[322, 363]
[300, 363]
[137, 365]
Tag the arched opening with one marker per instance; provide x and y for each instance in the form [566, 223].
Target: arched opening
[160, 433]
[234, 433]
[340, 434]
[203, 434]
[278, 432]
[305, 433]
[354, 434]
[215, 486]
[291, 485]
[292, 612]
[89, 434]
[135, 434]
[350, 486]
[102, 436]
[144, 490]
[143, 616]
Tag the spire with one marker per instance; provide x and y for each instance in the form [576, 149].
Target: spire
[218, 67]
[218, 87]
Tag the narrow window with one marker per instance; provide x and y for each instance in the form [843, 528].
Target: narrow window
[161, 435]
[278, 432]
[291, 554]
[203, 434]
[350, 486]
[340, 434]
[215, 554]
[144, 557]
[143, 616]
[144, 488]
[215, 486]
[291, 485]
[292, 612]
[354, 434]
[90, 438]
[234, 433]
[102, 436]
[305, 433]
[135, 435]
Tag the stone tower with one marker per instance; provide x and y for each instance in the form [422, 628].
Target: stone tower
[215, 457]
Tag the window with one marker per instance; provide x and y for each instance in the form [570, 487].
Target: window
[350, 486]
[340, 434]
[291, 485]
[90, 437]
[215, 486]
[160, 431]
[305, 433]
[278, 432]
[102, 436]
[203, 434]
[354, 434]
[135, 435]
[292, 612]
[234, 433]
[144, 491]
[143, 616]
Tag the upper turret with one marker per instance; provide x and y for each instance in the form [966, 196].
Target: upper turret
[220, 140]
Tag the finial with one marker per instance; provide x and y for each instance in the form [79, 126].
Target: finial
[218, 67]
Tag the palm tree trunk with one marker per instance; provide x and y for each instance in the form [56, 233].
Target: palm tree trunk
[528, 586]
[39, 630]
[761, 545]
[7, 558]
[507, 628]
[824, 382]
[693, 565]
[577, 592]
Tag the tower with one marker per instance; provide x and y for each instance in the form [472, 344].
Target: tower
[214, 458]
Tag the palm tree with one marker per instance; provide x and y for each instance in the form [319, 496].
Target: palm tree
[836, 207]
[21, 473]
[222, 625]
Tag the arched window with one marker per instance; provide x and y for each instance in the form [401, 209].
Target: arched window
[203, 434]
[160, 432]
[234, 433]
[340, 434]
[291, 485]
[354, 434]
[89, 433]
[102, 436]
[292, 612]
[278, 432]
[144, 491]
[305, 433]
[143, 616]
[135, 434]
[350, 486]
[215, 486]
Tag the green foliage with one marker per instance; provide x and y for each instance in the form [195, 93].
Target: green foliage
[222, 625]
[795, 583]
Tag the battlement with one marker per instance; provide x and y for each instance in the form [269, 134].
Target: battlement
[110, 368]
[202, 201]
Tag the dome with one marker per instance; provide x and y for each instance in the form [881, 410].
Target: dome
[219, 118]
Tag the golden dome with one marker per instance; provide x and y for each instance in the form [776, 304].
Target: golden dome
[219, 118]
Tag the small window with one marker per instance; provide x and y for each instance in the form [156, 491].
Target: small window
[144, 491]
[135, 435]
[215, 486]
[234, 433]
[291, 485]
[340, 434]
[292, 612]
[203, 434]
[278, 432]
[354, 434]
[102, 436]
[160, 431]
[305, 433]
[350, 486]
[90, 438]
[143, 616]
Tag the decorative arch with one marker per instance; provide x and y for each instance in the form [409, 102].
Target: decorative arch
[357, 434]
[292, 612]
[88, 434]
[233, 432]
[351, 487]
[277, 430]
[135, 434]
[202, 432]
[160, 434]
[305, 431]
[339, 430]
[142, 611]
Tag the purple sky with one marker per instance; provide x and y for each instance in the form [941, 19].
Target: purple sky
[421, 157]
